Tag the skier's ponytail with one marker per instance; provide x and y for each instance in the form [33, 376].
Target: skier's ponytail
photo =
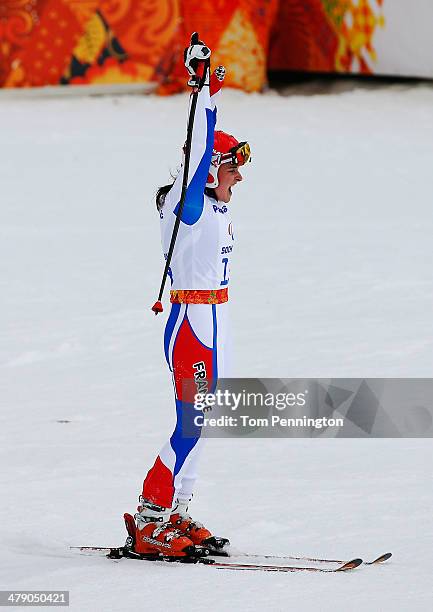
[160, 195]
[210, 191]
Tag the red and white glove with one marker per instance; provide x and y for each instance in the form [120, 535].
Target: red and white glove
[216, 79]
[197, 61]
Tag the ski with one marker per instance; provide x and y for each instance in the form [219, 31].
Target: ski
[381, 559]
[345, 567]
[117, 553]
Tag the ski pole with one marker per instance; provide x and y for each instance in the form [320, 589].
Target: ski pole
[157, 307]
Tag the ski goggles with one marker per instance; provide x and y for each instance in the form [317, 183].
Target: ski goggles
[238, 155]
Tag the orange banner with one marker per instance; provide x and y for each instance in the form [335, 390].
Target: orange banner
[71, 42]
[77, 42]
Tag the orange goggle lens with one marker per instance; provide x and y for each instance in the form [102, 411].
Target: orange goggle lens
[243, 153]
[238, 155]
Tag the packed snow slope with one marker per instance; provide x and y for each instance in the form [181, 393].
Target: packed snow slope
[332, 278]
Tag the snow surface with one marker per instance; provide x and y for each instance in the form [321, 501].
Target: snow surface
[332, 278]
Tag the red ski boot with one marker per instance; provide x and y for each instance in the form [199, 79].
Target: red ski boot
[194, 530]
[153, 535]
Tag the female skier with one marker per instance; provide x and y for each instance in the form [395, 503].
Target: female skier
[196, 338]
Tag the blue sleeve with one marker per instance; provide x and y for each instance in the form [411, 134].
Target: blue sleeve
[201, 155]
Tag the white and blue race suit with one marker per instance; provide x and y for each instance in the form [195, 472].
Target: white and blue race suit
[196, 339]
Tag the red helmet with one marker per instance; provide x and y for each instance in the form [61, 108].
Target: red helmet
[226, 149]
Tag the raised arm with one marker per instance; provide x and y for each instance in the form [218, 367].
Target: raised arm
[201, 143]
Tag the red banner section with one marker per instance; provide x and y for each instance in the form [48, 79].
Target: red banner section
[326, 35]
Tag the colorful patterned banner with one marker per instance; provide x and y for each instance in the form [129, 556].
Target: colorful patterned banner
[326, 35]
[77, 42]
[53, 42]
[84, 41]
